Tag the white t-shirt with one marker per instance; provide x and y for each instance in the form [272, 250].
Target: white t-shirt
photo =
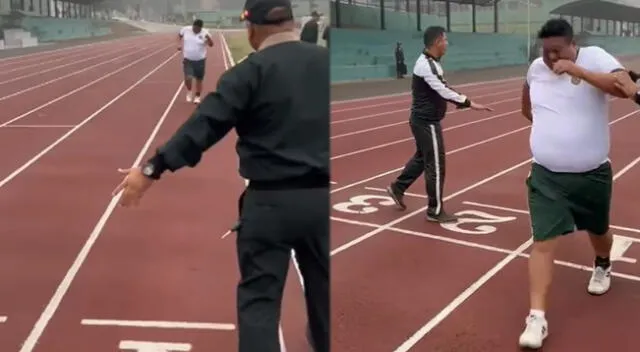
[194, 45]
[570, 131]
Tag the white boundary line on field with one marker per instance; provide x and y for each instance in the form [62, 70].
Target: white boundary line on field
[63, 287]
[227, 52]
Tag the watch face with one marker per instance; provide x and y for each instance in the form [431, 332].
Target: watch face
[147, 170]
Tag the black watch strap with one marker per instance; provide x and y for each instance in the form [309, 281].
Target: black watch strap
[150, 171]
[154, 167]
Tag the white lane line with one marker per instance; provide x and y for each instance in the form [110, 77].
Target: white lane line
[159, 324]
[63, 287]
[74, 73]
[37, 126]
[52, 101]
[471, 244]
[474, 287]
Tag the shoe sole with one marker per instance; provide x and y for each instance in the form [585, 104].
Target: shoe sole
[598, 293]
[395, 199]
[441, 221]
[530, 347]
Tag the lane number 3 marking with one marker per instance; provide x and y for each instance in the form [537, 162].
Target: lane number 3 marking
[363, 204]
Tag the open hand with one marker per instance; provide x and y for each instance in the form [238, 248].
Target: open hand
[133, 186]
[476, 106]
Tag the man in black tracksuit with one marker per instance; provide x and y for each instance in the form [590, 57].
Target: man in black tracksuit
[282, 122]
[430, 94]
[401, 67]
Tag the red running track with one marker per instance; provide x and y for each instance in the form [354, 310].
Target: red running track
[80, 274]
[402, 284]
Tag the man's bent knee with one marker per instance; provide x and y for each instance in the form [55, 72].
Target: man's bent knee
[545, 244]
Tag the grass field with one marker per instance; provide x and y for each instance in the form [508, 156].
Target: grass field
[238, 45]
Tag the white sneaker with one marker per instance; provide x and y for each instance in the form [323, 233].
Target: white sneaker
[600, 281]
[196, 100]
[189, 97]
[534, 333]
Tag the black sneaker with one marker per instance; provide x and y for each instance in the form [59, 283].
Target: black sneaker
[397, 197]
[442, 217]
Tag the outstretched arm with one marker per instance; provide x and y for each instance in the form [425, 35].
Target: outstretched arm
[210, 122]
[430, 75]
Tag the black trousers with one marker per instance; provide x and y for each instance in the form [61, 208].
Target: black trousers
[272, 223]
[429, 159]
[401, 69]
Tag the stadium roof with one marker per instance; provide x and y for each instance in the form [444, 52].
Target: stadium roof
[469, 2]
[85, 2]
[599, 9]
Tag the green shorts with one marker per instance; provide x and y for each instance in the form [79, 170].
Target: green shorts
[561, 203]
[194, 69]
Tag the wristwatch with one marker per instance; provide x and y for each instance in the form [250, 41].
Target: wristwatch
[149, 171]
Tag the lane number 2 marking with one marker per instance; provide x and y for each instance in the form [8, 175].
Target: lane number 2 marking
[475, 217]
[363, 204]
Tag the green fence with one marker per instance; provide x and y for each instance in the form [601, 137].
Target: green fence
[48, 29]
[360, 50]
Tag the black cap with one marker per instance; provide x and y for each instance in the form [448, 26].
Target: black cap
[256, 11]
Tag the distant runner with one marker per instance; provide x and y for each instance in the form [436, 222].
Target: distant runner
[193, 41]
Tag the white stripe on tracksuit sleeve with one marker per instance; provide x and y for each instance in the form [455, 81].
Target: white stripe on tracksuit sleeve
[431, 72]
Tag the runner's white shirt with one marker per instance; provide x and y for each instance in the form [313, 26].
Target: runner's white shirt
[194, 45]
[570, 131]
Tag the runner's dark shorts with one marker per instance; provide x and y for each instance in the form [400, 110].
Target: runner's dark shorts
[561, 203]
[194, 69]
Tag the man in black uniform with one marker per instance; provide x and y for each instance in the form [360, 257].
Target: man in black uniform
[309, 32]
[326, 34]
[282, 123]
[401, 67]
[430, 96]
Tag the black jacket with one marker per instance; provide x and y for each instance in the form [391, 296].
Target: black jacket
[309, 32]
[277, 99]
[430, 91]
